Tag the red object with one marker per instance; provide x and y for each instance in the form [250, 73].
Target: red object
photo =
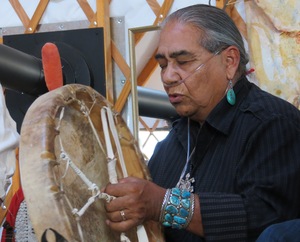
[250, 71]
[9, 224]
[52, 66]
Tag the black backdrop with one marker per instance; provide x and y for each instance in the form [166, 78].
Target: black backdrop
[82, 57]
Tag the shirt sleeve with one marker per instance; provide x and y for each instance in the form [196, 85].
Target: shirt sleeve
[267, 182]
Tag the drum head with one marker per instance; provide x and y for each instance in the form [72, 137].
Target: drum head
[62, 152]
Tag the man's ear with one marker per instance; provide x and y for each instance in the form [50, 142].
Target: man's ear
[232, 60]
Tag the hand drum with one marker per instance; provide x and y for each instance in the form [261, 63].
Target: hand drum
[64, 162]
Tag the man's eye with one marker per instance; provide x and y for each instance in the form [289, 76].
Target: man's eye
[162, 66]
[182, 62]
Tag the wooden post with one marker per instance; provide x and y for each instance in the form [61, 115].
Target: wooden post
[103, 20]
[220, 3]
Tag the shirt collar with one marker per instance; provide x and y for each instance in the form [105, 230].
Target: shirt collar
[221, 117]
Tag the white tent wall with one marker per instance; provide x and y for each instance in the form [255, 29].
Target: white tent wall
[136, 12]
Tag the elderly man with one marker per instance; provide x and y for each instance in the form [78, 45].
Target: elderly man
[230, 165]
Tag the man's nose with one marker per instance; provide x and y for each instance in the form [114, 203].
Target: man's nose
[170, 76]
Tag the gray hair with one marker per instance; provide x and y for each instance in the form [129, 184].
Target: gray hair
[217, 29]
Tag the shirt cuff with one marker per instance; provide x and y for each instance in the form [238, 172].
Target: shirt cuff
[223, 217]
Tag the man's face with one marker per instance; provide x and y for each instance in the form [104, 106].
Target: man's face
[179, 55]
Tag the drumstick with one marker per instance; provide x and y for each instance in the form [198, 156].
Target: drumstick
[52, 66]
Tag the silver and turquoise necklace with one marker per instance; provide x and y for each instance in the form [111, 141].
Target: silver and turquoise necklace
[185, 183]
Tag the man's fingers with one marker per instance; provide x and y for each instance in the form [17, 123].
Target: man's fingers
[122, 226]
[119, 216]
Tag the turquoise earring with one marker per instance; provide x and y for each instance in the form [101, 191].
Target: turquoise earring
[230, 94]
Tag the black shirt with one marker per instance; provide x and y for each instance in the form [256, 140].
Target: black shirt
[246, 165]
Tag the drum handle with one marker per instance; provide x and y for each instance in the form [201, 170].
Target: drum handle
[106, 113]
[111, 164]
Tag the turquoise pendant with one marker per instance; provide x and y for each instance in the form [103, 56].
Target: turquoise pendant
[230, 97]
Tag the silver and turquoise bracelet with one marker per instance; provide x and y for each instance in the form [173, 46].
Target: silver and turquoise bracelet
[177, 208]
